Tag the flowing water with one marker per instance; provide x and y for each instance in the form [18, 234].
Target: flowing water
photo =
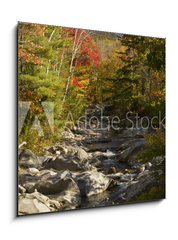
[115, 147]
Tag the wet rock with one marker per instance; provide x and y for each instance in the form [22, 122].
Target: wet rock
[92, 182]
[148, 165]
[115, 175]
[121, 177]
[96, 154]
[127, 177]
[95, 162]
[104, 154]
[128, 151]
[139, 184]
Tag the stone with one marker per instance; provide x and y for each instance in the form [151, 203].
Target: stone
[33, 203]
[82, 154]
[92, 182]
[95, 163]
[27, 159]
[33, 171]
[128, 151]
[70, 197]
[139, 184]
[59, 186]
[22, 190]
[61, 163]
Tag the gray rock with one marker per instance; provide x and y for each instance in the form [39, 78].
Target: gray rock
[28, 159]
[92, 182]
[127, 177]
[59, 186]
[33, 203]
[82, 154]
[121, 177]
[128, 151]
[143, 181]
[46, 181]
[22, 190]
[70, 197]
[33, 171]
[61, 163]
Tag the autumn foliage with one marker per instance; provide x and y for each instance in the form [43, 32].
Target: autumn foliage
[77, 68]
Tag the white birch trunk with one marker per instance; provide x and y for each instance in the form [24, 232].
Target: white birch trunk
[49, 40]
[75, 48]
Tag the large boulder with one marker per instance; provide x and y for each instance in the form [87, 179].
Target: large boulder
[70, 197]
[65, 163]
[68, 149]
[92, 182]
[129, 150]
[138, 185]
[45, 181]
[59, 186]
[36, 203]
[60, 163]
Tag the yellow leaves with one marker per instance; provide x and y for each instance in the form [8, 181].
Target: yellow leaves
[159, 94]
[85, 81]
[80, 95]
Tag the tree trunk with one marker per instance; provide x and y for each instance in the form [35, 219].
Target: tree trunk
[49, 40]
[76, 47]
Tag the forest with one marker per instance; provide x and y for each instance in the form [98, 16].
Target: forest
[69, 80]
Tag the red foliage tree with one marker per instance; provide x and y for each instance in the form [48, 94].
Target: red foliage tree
[87, 54]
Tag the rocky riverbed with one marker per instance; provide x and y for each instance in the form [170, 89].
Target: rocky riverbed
[88, 168]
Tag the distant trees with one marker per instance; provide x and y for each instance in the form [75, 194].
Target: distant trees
[134, 75]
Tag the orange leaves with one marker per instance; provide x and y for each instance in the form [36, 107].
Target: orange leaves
[158, 94]
[76, 82]
[28, 48]
[29, 93]
[28, 57]
[32, 28]
[40, 30]
[87, 57]
[88, 53]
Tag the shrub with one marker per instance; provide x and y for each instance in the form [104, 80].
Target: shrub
[155, 146]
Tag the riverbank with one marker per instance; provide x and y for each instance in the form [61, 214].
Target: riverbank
[89, 168]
